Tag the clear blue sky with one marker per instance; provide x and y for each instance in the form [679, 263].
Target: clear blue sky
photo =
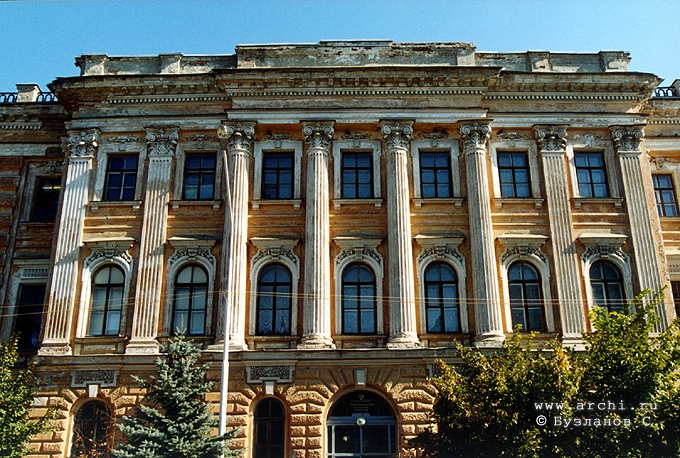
[39, 39]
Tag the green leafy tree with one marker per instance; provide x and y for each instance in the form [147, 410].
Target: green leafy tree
[17, 393]
[486, 405]
[174, 421]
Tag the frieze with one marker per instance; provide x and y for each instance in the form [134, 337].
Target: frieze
[440, 252]
[101, 377]
[192, 253]
[355, 138]
[511, 135]
[276, 253]
[358, 252]
[83, 144]
[476, 134]
[523, 251]
[434, 137]
[318, 134]
[108, 254]
[278, 139]
[257, 374]
[397, 134]
[51, 167]
[627, 138]
[200, 140]
[162, 141]
[589, 139]
[551, 138]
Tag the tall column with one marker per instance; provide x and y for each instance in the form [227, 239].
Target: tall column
[403, 330]
[80, 149]
[642, 215]
[484, 271]
[552, 141]
[161, 144]
[237, 139]
[317, 287]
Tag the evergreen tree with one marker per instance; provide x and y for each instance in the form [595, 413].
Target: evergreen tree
[174, 421]
[17, 392]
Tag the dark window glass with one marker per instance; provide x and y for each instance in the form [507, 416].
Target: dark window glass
[591, 175]
[513, 170]
[675, 288]
[358, 300]
[526, 299]
[607, 284]
[91, 431]
[274, 289]
[435, 175]
[442, 307]
[46, 199]
[277, 175]
[357, 175]
[269, 429]
[107, 301]
[191, 301]
[29, 316]
[121, 177]
[664, 192]
[199, 177]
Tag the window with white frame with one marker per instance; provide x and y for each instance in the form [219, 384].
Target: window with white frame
[119, 170]
[526, 299]
[276, 178]
[606, 281]
[190, 301]
[664, 193]
[356, 170]
[121, 177]
[199, 176]
[591, 174]
[108, 285]
[435, 169]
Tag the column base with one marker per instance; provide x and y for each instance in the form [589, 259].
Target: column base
[573, 341]
[316, 342]
[142, 347]
[489, 340]
[403, 342]
[55, 349]
[234, 345]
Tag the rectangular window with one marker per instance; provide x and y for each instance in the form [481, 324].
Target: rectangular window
[29, 316]
[675, 288]
[591, 174]
[513, 170]
[435, 175]
[121, 177]
[664, 192]
[277, 175]
[199, 177]
[46, 199]
[357, 175]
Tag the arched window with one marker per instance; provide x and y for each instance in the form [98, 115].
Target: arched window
[190, 301]
[526, 299]
[91, 431]
[274, 288]
[107, 301]
[441, 298]
[606, 282]
[269, 429]
[358, 300]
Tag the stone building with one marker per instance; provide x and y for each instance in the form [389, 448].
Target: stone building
[340, 212]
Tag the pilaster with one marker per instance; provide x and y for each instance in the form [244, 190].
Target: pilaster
[484, 271]
[642, 215]
[161, 144]
[80, 148]
[236, 138]
[403, 329]
[552, 141]
[317, 294]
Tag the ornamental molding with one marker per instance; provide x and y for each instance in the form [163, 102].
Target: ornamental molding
[511, 135]
[627, 138]
[358, 253]
[318, 134]
[476, 134]
[435, 137]
[108, 254]
[440, 252]
[603, 251]
[201, 141]
[275, 253]
[397, 134]
[259, 374]
[278, 139]
[603, 245]
[102, 377]
[50, 167]
[440, 246]
[192, 254]
[356, 139]
[551, 137]
[162, 141]
[83, 144]
[523, 251]
[168, 99]
[236, 136]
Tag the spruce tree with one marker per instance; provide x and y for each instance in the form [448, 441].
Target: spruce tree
[174, 420]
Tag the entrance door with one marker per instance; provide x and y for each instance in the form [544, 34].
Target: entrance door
[362, 425]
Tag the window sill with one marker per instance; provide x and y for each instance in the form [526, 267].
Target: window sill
[96, 345]
[215, 204]
[338, 203]
[294, 202]
[271, 342]
[134, 204]
[616, 201]
[456, 201]
[500, 201]
[353, 341]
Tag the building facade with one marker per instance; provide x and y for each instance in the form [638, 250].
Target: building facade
[340, 213]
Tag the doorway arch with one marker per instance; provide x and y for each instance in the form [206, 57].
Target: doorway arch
[362, 424]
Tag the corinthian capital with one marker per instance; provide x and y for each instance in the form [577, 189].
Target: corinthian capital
[318, 134]
[236, 135]
[476, 134]
[397, 134]
[551, 137]
[83, 144]
[627, 138]
[162, 141]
